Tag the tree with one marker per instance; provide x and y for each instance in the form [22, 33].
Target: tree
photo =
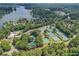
[15, 40]
[15, 53]
[45, 51]
[22, 44]
[57, 49]
[19, 27]
[59, 52]
[25, 37]
[39, 41]
[5, 45]
[74, 51]
[1, 50]
[6, 29]
[9, 26]
[35, 33]
[74, 42]
[34, 52]
[51, 51]
[62, 27]
[6, 54]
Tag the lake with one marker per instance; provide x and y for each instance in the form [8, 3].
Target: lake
[20, 12]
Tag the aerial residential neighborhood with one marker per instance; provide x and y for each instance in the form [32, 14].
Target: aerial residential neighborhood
[40, 29]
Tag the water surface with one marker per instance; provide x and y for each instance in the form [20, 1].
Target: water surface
[20, 12]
